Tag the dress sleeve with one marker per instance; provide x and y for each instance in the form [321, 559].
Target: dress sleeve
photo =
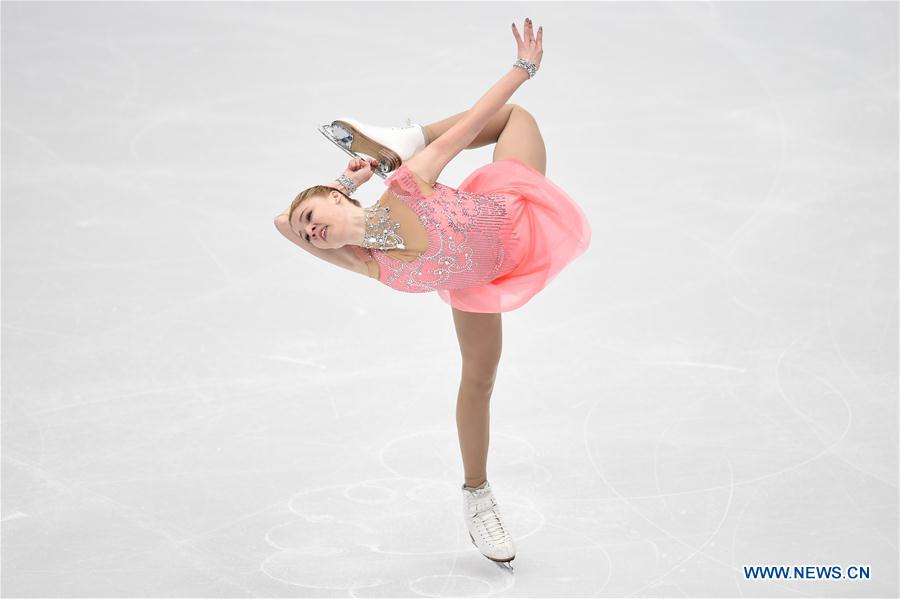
[403, 181]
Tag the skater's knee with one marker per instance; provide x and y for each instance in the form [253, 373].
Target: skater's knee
[508, 110]
[478, 381]
[516, 108]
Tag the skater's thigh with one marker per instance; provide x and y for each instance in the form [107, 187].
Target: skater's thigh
[521, 139]
[480, 337]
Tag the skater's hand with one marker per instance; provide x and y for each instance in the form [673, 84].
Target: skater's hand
[531, 48]
[360, 170]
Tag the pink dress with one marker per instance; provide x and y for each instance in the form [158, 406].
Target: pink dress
[494, 242]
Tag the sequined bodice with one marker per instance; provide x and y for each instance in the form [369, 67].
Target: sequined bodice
[464, 233]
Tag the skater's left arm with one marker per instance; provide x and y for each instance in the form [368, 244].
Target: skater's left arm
[359, 172]
[343, 256]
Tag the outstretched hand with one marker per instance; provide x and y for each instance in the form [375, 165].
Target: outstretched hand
[531, 48]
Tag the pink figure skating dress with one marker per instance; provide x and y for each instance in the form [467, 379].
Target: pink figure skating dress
[489, 246]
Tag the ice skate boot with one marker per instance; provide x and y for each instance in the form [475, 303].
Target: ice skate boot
[390, 146]
[486, 529]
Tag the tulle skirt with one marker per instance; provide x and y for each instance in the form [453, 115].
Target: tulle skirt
[549, 231]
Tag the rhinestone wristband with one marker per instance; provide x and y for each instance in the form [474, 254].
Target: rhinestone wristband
[528, 66]
[348, 184]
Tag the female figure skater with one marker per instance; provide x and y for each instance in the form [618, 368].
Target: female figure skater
[486, 247]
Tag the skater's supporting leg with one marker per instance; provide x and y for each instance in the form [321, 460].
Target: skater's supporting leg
[489, 135]
[473, 427]
[480, 342]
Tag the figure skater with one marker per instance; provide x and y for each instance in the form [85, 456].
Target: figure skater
[486, 247]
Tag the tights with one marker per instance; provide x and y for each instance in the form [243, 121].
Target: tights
[488, 135]
[473, 400]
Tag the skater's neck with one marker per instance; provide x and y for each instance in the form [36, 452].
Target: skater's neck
[356, 224]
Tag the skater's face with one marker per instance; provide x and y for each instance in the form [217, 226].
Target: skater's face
[322, 213]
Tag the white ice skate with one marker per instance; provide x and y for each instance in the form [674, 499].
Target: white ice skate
[486, 529]
[390, 146]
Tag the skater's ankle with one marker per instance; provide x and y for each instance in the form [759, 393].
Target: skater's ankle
[427, 134]
[477, 485]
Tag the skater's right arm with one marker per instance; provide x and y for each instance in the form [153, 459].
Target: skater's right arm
[430, 162]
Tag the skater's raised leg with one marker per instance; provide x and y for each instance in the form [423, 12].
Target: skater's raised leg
[521, 139]
[489, 135]
[392, 146]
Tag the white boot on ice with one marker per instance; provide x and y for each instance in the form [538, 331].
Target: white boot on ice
[486, 528]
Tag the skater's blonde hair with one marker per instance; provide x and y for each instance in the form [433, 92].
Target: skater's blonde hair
[313, 191]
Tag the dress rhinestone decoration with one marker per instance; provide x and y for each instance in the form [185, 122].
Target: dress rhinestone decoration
[381, 230]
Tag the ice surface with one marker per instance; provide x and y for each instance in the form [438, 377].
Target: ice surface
[192, 406]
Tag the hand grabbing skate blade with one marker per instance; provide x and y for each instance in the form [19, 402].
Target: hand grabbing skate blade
[335, 136]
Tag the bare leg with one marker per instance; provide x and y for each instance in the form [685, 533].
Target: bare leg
[522, 140]
[489, 135]
[473, 421]
[480, 339]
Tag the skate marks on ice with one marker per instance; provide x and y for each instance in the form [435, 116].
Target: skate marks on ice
[381, 537]
[405, 532]
[547, 518]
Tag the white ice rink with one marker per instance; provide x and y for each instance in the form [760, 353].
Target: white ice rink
[192, 406]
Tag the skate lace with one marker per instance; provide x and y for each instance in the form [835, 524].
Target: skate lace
[490, 519]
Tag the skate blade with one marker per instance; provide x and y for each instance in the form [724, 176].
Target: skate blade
[358, 141]
[341, 138]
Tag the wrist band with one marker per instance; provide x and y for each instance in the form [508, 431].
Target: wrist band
[347, 183]
[528, 66]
